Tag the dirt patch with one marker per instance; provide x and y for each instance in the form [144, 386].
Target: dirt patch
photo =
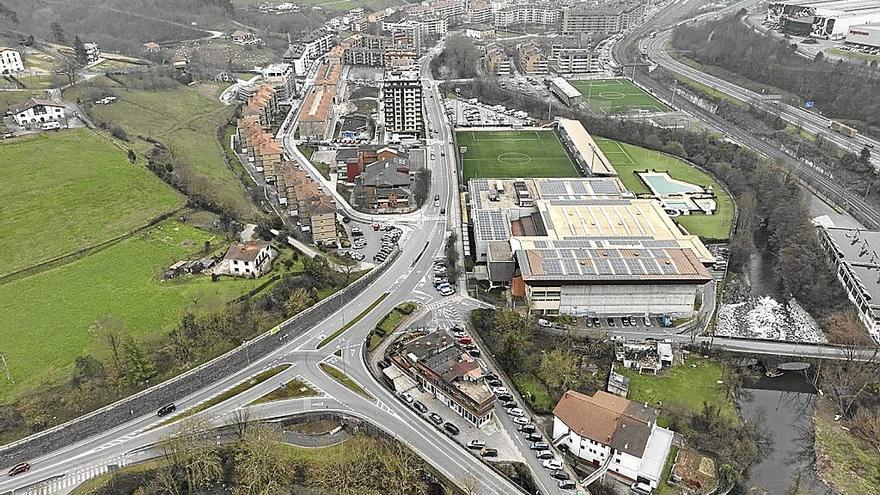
[317, 427]
[694, 471]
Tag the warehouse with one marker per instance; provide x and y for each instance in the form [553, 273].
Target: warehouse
[565, 91]
[829, 19]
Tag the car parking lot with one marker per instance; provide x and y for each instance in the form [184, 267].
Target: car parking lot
[369, 244]
[472, 113]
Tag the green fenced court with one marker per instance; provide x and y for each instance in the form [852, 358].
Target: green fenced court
[511, 154]
[616, 96]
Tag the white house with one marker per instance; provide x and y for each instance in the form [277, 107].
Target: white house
[10, 61]
[247, 259]
[93, 53]
[37, 111]
[609, 431]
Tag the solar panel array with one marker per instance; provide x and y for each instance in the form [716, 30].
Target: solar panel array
[490, 225]
[600, 263]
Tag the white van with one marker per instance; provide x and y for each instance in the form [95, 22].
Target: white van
[51, 126]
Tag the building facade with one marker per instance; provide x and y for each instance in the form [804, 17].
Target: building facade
[10, 61]
[37, 111]
[402, 103]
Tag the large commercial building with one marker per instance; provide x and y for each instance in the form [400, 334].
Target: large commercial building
[855, 255]
[607, 430]
[402, 105]
[824, 19]
[866, 35]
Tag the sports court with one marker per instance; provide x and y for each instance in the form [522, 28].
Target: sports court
[511, 154]
[616, 96]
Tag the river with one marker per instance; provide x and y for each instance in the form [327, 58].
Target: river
[783, 408]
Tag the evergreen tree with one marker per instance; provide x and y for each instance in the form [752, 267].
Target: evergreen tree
[79, 49]
[57, 32]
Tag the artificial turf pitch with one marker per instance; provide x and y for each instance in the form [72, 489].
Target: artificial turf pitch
[616, 96]
[506, 154]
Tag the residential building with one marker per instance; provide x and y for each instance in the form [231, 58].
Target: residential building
[151, 47]
[563, 90]
[479, 12]
[437, 364]
[386, 185]
[37, 111]
[93, 53]
[602, 19]
[607, 430]
[401, 102]
[480, 32]
[572, 59]
[496, 59]
[855, 255]
[531, 60]
[244, 38]
[247, 259]
[323, 221]
[405, 35]
[282, 78]
[531, 14]
[302, 52]
[10, 61]
[315, 120]
[434, 26]
[306, 200]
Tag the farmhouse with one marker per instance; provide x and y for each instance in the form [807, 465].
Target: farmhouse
[37, 111]
[10, 61]
[614, 433]
[247, 259]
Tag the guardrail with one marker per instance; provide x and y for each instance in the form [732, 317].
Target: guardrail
[185, 384]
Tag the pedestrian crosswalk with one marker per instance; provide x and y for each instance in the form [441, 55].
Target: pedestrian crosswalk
[67, 482]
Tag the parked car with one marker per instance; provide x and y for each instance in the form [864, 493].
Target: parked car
[420, 407]
[543, 454]
[646, 321]
[447, 291]
[515, 412]
[596, 322]
[505, 397]
[494, 383]
[166, 409]
[436, 418]
[472, 352]
[521, 420]
[19, 468]
[451, 428]
[500, 390]
[610, 322]
[565, 484]
[539, 446]
[407, 398]
[527, 428]
[560, 474]
[552, 464]
[534, 437]
[489, 453]
[476, 444]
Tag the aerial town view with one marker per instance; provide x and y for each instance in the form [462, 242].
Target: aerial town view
[440, 247]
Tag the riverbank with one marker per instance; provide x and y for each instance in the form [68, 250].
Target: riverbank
[843, 461]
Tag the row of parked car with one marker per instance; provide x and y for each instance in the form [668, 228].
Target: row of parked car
[389, 240]
[441, 280]
[529, 430]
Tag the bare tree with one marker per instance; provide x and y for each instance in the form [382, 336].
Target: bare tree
[469, 485]
[192, 455]
[405, 470]
[259, 469]
[846, 380]
[239, 421]
[111, 332]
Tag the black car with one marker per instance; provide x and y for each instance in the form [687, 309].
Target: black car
[474, 352]
[527, 428]
[451, 428]
[610, 322]
[505, 397]
[420, 407]
[166, 409]
[565, 484]
[508, 404]
[560, 474]
[436, 418]
[495, 383]
[489, 453]
[490, 376]
[596, 322]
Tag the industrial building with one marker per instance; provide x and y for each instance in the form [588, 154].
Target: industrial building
[563, 90]
[584, 247]
[854, 254]
[402, 104]
[827, 19]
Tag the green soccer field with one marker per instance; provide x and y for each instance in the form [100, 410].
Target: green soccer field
[506, 154]
[616, 96]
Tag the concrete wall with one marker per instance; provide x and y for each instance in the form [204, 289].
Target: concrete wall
[619, 300]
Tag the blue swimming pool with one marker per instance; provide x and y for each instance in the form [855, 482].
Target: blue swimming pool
[661, 184]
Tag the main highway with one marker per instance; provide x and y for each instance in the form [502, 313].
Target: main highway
[407, 277]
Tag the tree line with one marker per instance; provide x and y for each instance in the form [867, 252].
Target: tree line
[257, 462]
[123, 365]
[842, 90]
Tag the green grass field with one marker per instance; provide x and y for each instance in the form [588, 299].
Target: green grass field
[690, 384]
[45, 318]
[627, 159]
[185, 120]
[500, 154]
[615, 96]
[66, 190]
